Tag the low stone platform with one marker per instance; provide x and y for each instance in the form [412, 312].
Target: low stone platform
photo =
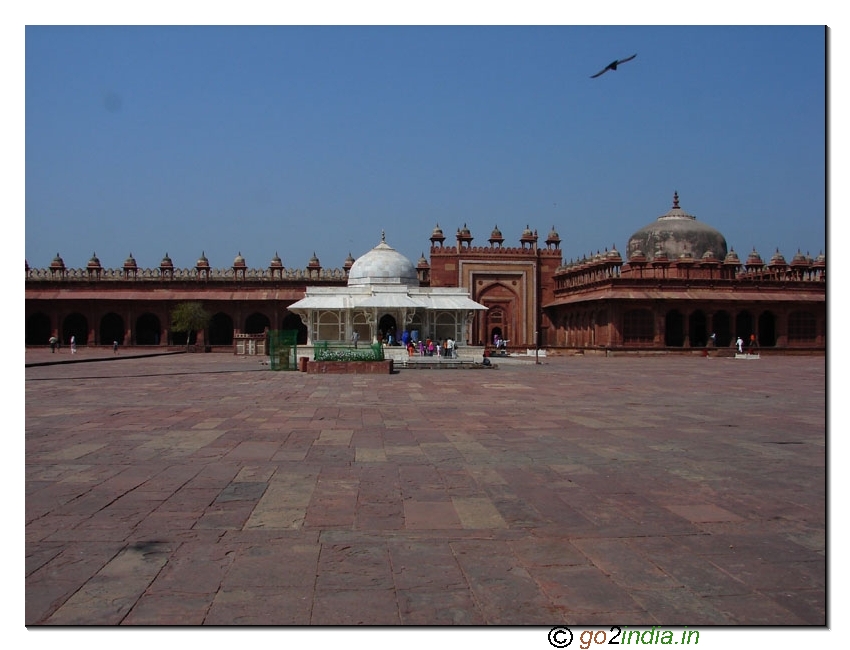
[350, 367]
[436, 363]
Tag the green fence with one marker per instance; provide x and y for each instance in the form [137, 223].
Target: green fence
[341, 351]
[283, 349]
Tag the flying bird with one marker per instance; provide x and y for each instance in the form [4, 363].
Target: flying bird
[612, 66]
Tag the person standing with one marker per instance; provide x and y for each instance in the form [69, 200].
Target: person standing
[115, 347]
[52, 342]
[73, 344]
[740, 345]
[355, 337]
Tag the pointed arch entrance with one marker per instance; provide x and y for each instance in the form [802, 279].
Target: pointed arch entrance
[387, 327]
[38, 329]
[698, 329]
[221, 329]
[294, 322]
[111, 328]
[77, 326]
[501, 317]
[722, 322]
[257, 323]
[744, 325]
[674, 329]
[767, 329]
[148, 329]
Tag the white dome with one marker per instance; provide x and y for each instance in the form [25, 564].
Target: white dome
[382, 265]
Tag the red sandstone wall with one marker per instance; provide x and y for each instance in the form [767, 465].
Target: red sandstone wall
[350, 367]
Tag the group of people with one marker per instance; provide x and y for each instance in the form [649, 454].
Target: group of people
[753, 344]
[428, 348]
[499, 343]
[447, 348]
[414, 345]
[54, 343]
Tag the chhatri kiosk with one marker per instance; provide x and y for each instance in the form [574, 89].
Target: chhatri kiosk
[382, 299]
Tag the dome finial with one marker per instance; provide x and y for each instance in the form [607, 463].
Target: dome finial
[383, 237]
[675, 200]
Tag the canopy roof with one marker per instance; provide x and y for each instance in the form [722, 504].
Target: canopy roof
[385, 279]
[335, 298]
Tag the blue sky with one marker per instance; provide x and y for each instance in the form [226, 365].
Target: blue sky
[228, 139]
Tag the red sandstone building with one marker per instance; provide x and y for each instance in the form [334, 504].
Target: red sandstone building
[678, 285]
[512, 282]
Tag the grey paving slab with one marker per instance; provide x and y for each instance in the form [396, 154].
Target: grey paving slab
[205, 489]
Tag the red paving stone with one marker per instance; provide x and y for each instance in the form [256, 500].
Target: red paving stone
[207, 489]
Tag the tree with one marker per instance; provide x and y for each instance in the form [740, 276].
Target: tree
[189, 317]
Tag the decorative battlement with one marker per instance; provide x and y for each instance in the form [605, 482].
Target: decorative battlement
[166, 271]
[610, 264]
[192, 274]
[447, 251]
[528, 240]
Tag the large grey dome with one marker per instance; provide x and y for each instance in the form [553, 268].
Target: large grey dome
[382, 265]
[675, 233]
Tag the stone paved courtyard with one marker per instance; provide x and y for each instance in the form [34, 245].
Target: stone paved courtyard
[206, 489]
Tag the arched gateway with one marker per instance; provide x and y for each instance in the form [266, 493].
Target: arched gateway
[383, 293]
